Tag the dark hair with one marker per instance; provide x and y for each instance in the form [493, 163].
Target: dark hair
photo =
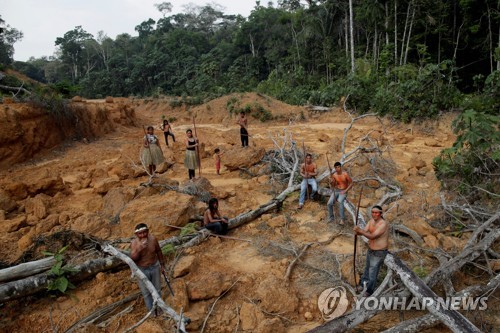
[211, 203]
[217, 150]
[140, 226]
[337, 164]
[189, 130]
[379, 208]
[165, 121]
[309, 154]
[150, 127]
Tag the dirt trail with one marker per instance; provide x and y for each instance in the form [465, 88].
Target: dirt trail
[86, 167]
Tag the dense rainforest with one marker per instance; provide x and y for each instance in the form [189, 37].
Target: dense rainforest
[409, 59]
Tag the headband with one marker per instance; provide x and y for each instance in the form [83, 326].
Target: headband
[377, 209]
[140, 229]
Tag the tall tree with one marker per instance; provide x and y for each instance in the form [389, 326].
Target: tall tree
[72, 47]
[8, 37]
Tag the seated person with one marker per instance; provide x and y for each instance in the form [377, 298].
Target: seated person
[213, 220]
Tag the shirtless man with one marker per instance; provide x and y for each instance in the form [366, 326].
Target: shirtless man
[308, 172]
[377, 232]
[146, 253]
[341, 183]
[242, 121]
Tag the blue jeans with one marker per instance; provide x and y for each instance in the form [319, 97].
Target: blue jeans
[374, 259]
[303, 189]
[153, 274]
[219, 228]
[340, 198]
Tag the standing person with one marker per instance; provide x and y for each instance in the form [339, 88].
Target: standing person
[167, 130]
[146, 253]
[213, 220]
[191, 160]
[308, 172]
[377, 232]
[217, 158]
[341, 183]
[151, 155]
[242, 121]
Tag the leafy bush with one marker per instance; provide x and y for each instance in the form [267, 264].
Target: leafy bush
[473, 159]
[60, 281]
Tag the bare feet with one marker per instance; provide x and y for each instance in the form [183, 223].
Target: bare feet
[300, 206]
[341, 222]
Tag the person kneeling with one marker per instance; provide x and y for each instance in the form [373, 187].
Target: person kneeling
[213, 220]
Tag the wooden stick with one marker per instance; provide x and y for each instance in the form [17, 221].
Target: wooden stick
[197, 148]
[305, 170]
[292, 264]
[356, 238]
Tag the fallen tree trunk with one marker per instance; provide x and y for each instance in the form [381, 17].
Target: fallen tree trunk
[33, 284]
[451, 318]
[467, 255]
[429, 320]
[26, 269]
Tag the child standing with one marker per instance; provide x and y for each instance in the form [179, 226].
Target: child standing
[167, 130]
[217, 158]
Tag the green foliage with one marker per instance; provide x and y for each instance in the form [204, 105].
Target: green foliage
[167, 249]
[54, 104]
[421, 93]
[232, 105]
[60, 281]
[420, 271]
[473, 158]
[189, 228]
[261, 113]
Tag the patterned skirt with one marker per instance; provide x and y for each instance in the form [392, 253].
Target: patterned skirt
[191, 160]
[152, 155]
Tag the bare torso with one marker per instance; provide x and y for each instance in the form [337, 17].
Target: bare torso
[382, 241]
[341, 181]
[146, 251]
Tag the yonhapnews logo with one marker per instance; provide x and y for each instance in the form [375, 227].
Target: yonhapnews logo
[333, 303]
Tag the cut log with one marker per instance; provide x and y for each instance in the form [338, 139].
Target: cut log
[451, 318]
[26, 269]
[429, 320]
[33, 284]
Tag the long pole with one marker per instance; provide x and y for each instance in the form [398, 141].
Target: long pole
[356, 237]
[305, 169]
[149, 148]
[168, 284]
[330, 169]
[197, 148]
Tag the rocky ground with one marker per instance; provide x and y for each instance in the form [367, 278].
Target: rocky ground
[92, 184]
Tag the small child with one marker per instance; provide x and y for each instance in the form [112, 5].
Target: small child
[217, 159]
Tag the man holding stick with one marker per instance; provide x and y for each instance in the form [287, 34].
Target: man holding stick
[146, 253]
[341, 183]
[377, 232]
[308, 172]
